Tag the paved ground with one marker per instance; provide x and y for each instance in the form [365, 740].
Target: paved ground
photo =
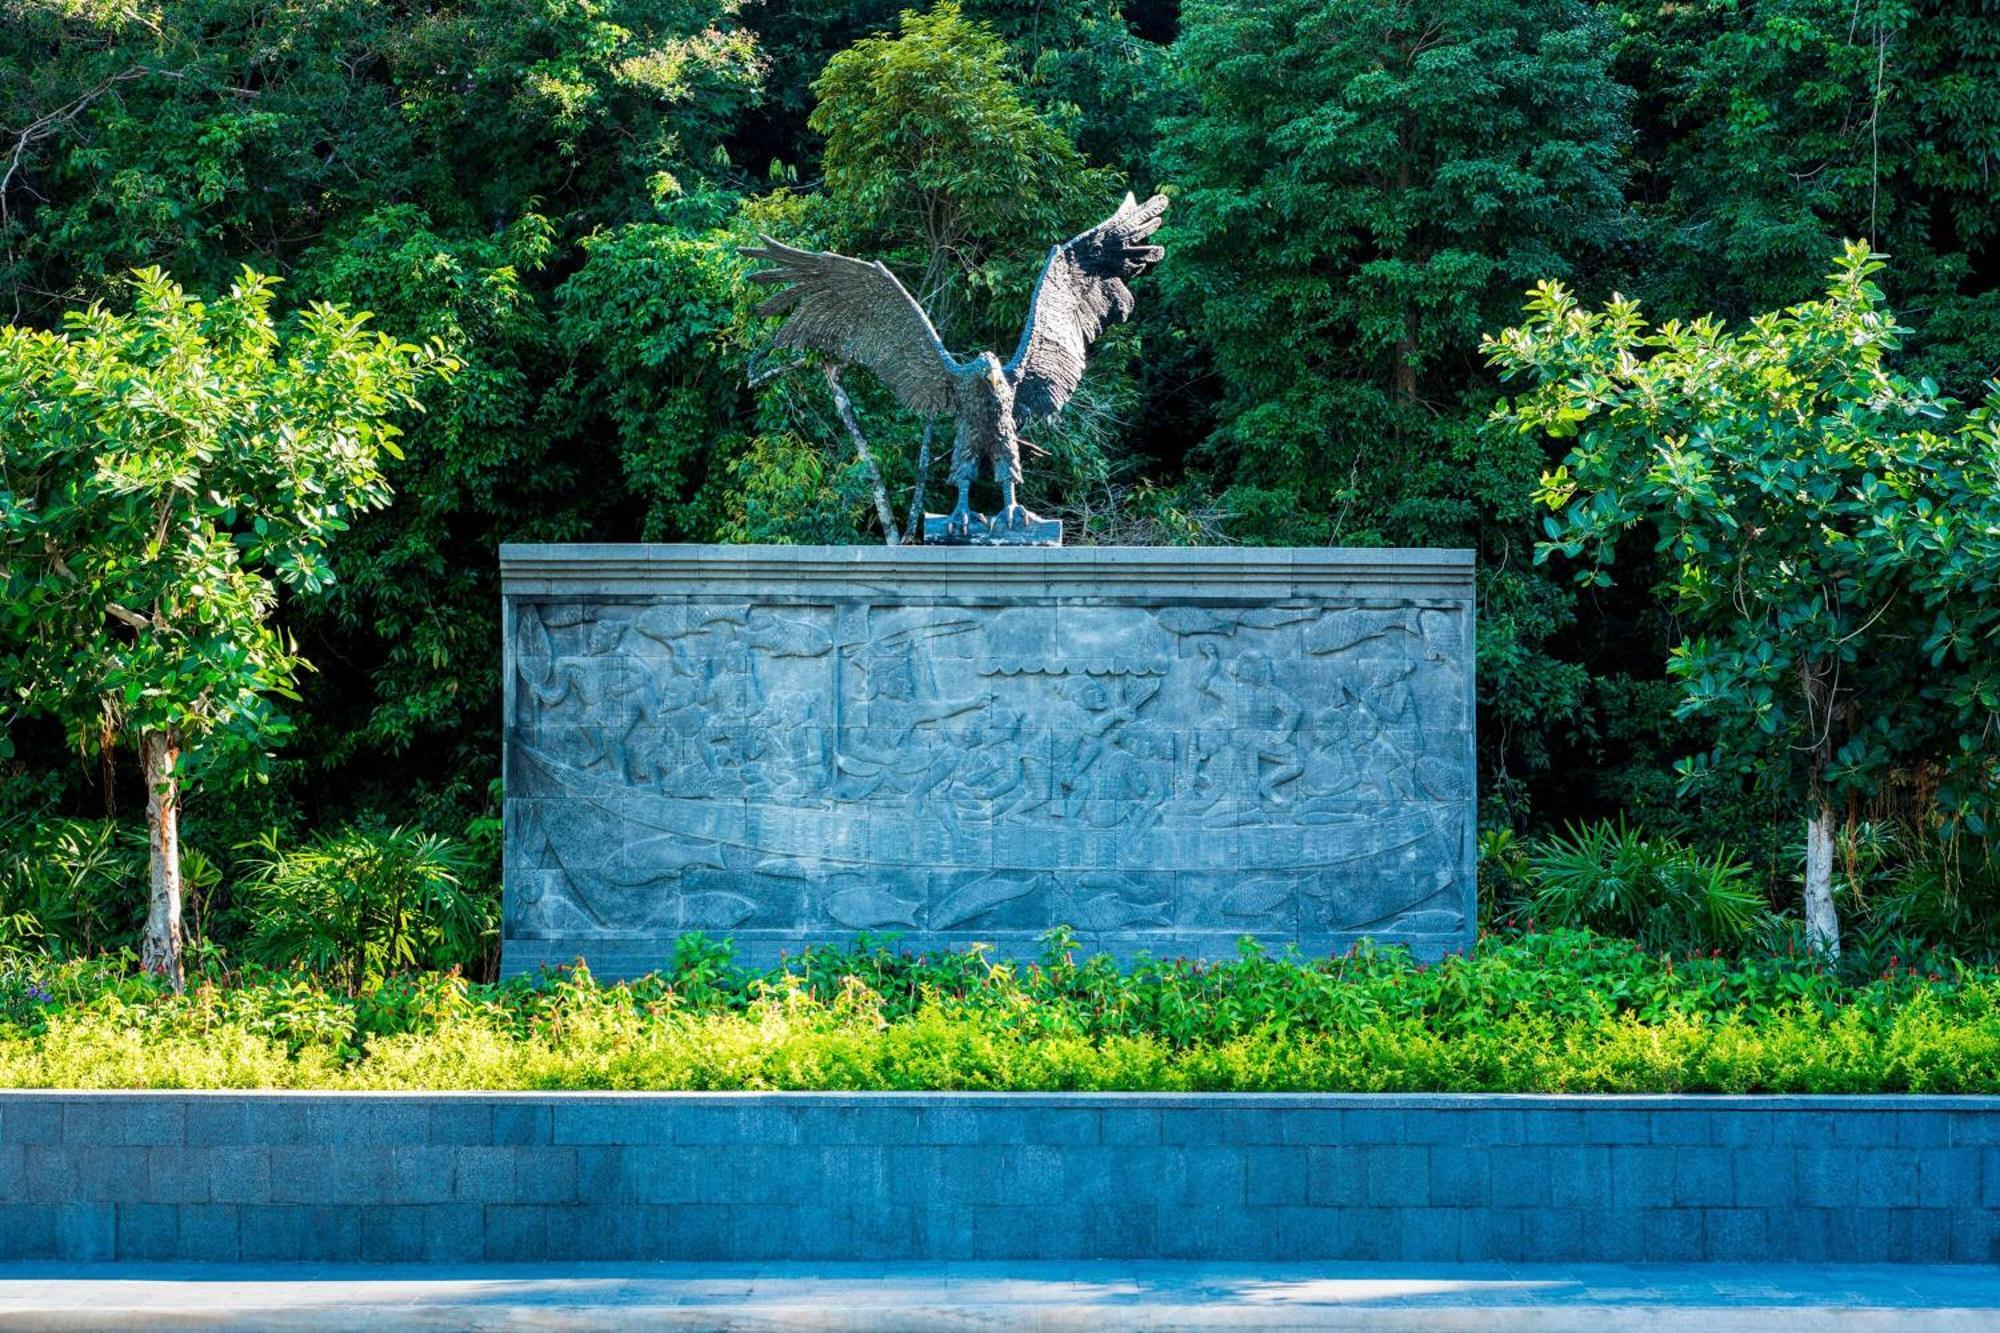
[1593, 1297]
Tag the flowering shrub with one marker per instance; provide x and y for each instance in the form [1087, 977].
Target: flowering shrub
[1566, 1011]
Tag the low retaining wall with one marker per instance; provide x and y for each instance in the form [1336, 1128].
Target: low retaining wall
[529, 1177]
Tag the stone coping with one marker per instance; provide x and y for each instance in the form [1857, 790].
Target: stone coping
[1382, 1101]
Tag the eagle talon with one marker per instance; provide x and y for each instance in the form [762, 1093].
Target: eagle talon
[1015, 517]
[960, 522]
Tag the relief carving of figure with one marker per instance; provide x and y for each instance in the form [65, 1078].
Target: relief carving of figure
[608, 690]
[1264, 720]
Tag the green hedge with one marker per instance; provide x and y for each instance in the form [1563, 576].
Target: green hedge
[1568, 1012]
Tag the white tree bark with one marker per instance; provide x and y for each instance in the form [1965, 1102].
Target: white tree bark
[845, 407]
[160, 953]
[1822, 920]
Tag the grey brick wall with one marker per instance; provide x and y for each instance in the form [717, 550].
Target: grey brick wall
[526, 1177]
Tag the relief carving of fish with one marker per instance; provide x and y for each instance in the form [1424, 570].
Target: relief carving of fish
[716, 910]
[867, 907]
[976, 899]
[1257, 898]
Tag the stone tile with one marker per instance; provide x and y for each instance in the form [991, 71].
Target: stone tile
[1460, 1178]
[460, 1123]
[179, 1174]
[1337, 1176]
[86, 1232]
[27, 1231]
[239, 1174]
[1519, 1178]
[1704, 1177]
[13, 1173]
[519, 1124]
[30, 1121]
[484, 1174]
[148, 1231]
[1398, 1177]
[1276, 1175]
[137, 1120]
[515, 1233]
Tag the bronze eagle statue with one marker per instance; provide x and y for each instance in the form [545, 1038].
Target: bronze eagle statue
[858, 312]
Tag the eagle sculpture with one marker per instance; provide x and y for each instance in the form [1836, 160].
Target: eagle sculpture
[858, 312]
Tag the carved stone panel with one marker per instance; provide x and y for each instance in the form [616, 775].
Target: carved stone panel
[1165, 750]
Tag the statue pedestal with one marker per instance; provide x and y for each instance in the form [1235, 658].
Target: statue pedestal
[1166, 749]
[1042, 532]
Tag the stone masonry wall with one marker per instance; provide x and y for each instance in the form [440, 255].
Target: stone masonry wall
[531, 1177]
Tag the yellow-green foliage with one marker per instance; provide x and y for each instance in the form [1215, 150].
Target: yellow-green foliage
[1557, 1013]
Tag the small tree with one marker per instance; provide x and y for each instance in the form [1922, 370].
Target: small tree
[162, 473]
[1834, 561]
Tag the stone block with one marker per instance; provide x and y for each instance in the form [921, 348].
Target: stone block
[1428, 1236]
[1886, 1177]
[546, 1175]
[1617, 1125]
[1458, 1178]
[460, 1123]
[1858, 1235]
[179, 1174]
[1827, 1177]
[515, 1233]
[392, 1234]
[13, 1173]
[1274, 1175]
[425, 1173]
[139, 1120]
[1579, 1175]
[1704, 1177]
[454, 1233]
[1610, 1236]
[107, 1175]
[1975, 1236]
[86, 1232]
[1642, 1177]
[27, 1231]
[1398, 1177]
[1688, 1125]
[968, 745]
[148, 1232]
[1947, 1177]
[484, 1174]
[1735, 1235]
[1671, 1235]
[294, 1233]
[1766, 1180]
[1336, 1176]
[27, 1120]
[350, 1123]
[518, 1124]
[238, 1174]
[1920, 1235]
[49, 1172]
[1519, 1178]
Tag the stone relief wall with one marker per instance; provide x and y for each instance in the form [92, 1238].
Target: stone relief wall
[981, 746]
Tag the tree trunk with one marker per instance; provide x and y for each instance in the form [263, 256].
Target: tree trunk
[160, 954]
[845, 407]
[1822, 920]
[913, 530]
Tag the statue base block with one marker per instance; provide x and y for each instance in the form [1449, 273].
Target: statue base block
[1165, 749]
[1042, 532]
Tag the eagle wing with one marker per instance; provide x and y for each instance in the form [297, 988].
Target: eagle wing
[1082, 289]
[858, 313]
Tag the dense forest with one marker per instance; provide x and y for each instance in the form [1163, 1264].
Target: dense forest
[555, 194]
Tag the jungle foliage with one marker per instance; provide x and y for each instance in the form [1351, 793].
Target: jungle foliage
[554, 194]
